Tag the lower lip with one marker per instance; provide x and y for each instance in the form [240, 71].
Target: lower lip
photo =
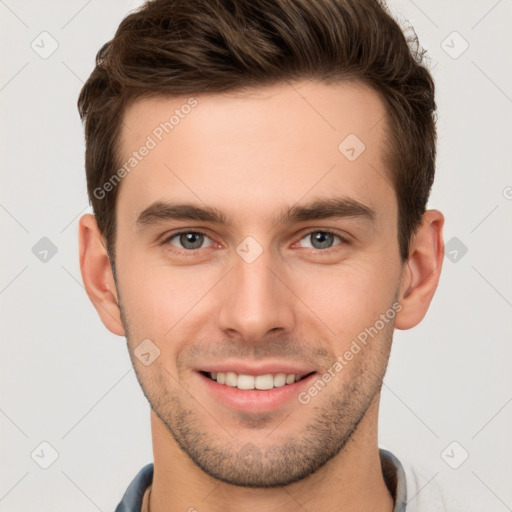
[255, 400]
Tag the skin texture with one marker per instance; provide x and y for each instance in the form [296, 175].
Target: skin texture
[252, 156]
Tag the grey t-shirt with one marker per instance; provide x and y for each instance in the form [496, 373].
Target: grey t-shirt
[406, 490]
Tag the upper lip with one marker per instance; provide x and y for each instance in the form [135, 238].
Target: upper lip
[246, 368]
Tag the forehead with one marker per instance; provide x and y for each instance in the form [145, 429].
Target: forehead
[247, 151]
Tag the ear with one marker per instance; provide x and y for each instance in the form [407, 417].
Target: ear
[421, 271]
[97, 274]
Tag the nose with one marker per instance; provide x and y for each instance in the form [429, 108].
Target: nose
[255, 301]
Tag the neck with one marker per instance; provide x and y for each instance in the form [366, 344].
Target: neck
[352, 480]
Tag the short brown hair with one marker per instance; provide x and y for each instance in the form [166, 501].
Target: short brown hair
[179, 47]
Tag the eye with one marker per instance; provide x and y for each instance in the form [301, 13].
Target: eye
[320, 239]
[189, 240]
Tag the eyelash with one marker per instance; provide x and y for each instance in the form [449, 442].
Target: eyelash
[193, 252]
[342, 241]
[184, 252]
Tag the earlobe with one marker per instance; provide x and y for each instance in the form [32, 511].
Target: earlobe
[97, 274]
[422, 270]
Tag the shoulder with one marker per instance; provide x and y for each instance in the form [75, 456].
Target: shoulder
[132, 499]
[426, 491]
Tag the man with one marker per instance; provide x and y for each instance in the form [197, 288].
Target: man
[259, 172]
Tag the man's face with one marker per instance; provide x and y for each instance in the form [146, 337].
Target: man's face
[303, 259]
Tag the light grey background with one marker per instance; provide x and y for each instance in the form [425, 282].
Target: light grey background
[67, 381]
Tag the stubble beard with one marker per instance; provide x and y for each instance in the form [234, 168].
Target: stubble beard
[334, 417]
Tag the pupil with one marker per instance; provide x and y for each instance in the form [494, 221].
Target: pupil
[191, 240]
[321, 240]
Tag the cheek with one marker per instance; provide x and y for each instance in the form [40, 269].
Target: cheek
[159, 299]
[347, 298]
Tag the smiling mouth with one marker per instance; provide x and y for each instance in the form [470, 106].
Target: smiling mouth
[259, 382]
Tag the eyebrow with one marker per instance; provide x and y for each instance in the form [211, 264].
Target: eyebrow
[326, 208]
[161, 211]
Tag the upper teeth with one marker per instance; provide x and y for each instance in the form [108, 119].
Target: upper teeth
[267, 381]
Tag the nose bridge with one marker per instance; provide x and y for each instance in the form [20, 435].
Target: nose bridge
[255, 301]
